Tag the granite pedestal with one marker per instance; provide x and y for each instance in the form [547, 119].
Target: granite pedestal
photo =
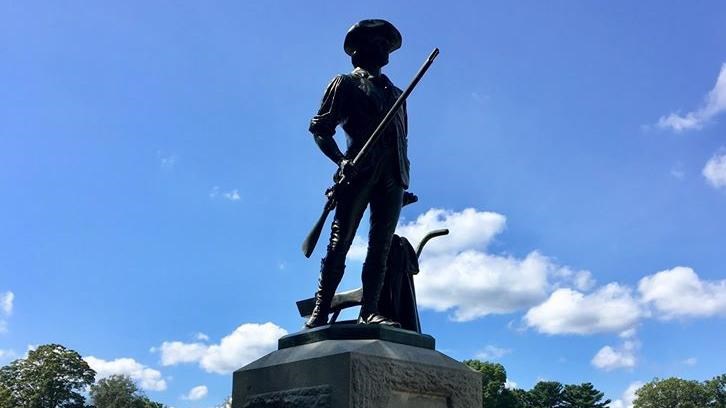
[349, 365]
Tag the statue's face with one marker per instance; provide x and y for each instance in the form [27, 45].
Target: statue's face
[373, 53]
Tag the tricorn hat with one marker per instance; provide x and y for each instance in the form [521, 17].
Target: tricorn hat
[366, 29]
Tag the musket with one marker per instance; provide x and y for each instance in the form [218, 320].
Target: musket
[312, 239]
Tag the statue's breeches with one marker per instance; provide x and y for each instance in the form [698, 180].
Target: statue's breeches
[383, 192]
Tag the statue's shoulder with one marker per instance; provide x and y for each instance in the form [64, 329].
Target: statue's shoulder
[343, 79]
[340, 82]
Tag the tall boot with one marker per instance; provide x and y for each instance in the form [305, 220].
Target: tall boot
[372, 278]
[330, 277]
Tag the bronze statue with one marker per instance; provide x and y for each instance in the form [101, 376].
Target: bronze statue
[373, 172]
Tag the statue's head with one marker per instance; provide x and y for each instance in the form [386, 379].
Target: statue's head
[369, 42]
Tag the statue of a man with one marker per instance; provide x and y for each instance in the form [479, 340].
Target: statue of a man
[357, 102]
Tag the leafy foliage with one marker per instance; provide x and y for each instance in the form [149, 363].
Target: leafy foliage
[679, 393]
[144, 402]
[120, 391]
[545, 394]
[50, 377]
[6, 400]
[716, 390]
[494, 378]
[114, 392]
[583, 396]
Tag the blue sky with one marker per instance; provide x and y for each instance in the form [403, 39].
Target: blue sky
[158, 178]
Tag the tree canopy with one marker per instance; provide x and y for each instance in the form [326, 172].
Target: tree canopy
[119, 391]
[52, 376]
[679, 393]
[545, 394]
[583, 396]
[494, 379]
[114, 392]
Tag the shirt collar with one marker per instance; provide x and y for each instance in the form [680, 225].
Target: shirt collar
[362, 73]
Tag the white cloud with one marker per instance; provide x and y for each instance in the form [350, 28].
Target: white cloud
[611, 308]
[201, 336]
[358, 249]
[232, 195]
[679, 292]
[147, 378]
[6, 309]
[177, 352]
[6, 302]
[678, 173]
[510, 385]
[246, 343]
[628, 398]
[167, 161]
[628, 334]
[715, 103]
[470, 229]
[196, 393]
[474, 284]
[715, 170]
[491, 352]
[609, 358]
[691, 361]
[581, 280]
[6, 355]
[458, 275]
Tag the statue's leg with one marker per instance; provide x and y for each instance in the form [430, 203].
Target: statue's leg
[348, 214]
[385, 201]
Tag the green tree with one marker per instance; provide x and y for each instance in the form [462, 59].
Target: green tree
[145, 402]
[583, 396]
[522, 398]
[716, 391]
[672, 393]
[494, 379]
[546, 394]
[52, 376]
[6, 399]
[119, 391]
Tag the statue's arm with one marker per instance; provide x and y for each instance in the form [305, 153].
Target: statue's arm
[330, 114]
[329, 148]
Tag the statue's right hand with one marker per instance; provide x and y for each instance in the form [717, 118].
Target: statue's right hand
[345, 168]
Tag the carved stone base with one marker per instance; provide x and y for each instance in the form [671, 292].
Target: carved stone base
[360, 373]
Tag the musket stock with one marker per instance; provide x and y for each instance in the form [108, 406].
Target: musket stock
[312, 239]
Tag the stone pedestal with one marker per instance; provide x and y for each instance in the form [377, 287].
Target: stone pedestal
[356, 366]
